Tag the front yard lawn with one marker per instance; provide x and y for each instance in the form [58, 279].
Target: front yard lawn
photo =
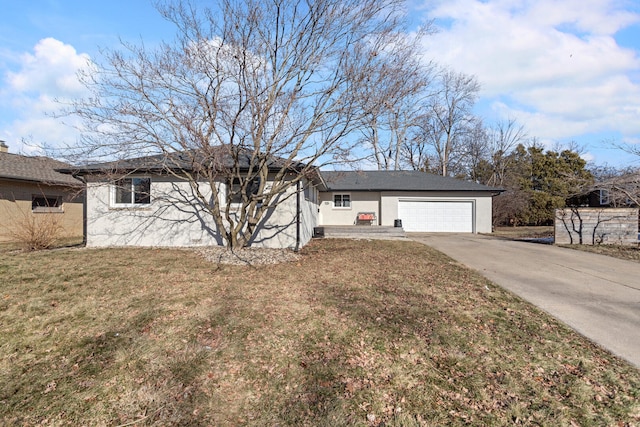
[354, 333]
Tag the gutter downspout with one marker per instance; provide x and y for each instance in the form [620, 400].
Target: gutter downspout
[297, 248]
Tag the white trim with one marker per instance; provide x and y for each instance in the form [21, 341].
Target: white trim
[112, 194]
[46, 209]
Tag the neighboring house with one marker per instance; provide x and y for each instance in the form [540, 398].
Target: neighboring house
[422, 202]
[147, 202]
[618, 191]
[31, 189]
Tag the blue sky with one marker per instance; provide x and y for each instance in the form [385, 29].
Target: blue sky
[568, 70]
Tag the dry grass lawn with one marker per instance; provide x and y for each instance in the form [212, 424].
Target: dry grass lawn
[356, 333]
[631, 253]
[523, 232]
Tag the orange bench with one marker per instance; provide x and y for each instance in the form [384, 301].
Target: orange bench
[365, 217]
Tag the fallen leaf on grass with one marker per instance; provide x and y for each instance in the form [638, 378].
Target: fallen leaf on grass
[50, 387]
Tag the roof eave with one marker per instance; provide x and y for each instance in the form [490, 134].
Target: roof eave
[457, 190]
[41, 181]
[147, 170]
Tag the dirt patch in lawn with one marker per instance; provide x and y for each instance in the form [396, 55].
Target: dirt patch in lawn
[353, 333]
[248, 256]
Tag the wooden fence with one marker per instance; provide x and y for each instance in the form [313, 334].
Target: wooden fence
[595, 226]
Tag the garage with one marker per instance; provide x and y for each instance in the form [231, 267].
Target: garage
[436, 216]
[423, 202]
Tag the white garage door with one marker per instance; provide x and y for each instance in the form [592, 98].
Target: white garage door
[446, 217]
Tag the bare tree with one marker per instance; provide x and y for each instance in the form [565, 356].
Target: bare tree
[476, 144]
[246, 80]
[621, 187]
[415, 152]
[502, 139]
[397, 85]
[621, 184]
[630, 148]
[447, 118]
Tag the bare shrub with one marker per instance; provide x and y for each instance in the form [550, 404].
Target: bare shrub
[33, 231]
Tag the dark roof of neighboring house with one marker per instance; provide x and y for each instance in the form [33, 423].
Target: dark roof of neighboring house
[397, 181]
[177, 161]
[34, 169]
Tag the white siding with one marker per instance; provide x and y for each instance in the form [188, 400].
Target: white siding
[309, 216]
[177, 218]
[386, 206]
[361, 201]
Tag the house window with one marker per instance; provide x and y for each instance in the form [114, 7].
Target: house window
[604, 197]
[310, 193]
[235, 189]
[129, 192]
[342, 201]
[40, 203]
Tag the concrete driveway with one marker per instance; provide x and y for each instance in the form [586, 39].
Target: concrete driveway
[596, 295]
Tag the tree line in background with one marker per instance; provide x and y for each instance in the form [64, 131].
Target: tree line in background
[439, 133]
[313, 84]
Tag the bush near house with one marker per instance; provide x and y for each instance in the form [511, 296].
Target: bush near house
[32, 232]
[38, 204]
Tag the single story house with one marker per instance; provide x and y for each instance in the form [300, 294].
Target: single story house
[31, 189]
[146, 202]
[422, 202]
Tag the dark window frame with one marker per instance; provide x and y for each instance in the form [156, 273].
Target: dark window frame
[43, 203]
[342, 201]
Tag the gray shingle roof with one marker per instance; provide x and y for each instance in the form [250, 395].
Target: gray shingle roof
[397, 181]
[185, 161]
[34, 169]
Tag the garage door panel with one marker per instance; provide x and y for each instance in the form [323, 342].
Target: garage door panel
[429, 216]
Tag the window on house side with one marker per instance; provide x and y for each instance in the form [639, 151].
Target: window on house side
[310, 193]
[132, 192]
[604, 197]
[341, 200]
[40, 203]
[235, 188]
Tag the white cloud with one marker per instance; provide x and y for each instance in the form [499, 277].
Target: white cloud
[31, 89]
[554, 65]
[50, 69]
